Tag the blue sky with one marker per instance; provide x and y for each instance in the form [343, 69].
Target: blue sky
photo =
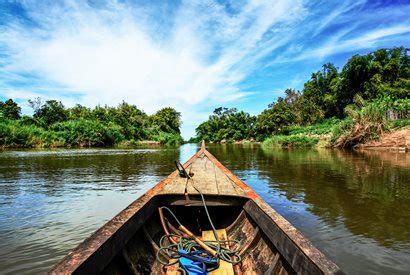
[191, 55]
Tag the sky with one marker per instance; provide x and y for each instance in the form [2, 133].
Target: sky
[190, 55]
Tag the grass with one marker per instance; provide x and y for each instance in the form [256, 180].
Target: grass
[361, 125]
[168, 139]
[297, 136]
[399, 123]
[365, 121]
[73, 133]
[292, 141]
[326, 127]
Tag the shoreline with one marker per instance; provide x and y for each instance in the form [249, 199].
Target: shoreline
[122, 145]
[397, 140]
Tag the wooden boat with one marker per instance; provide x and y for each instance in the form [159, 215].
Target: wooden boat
[127, 244]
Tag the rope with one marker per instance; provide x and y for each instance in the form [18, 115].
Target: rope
[170, 249]
[166, 247]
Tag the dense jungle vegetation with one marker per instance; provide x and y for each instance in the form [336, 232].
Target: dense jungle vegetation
[54, 125]
[338, 108]
[342, 108]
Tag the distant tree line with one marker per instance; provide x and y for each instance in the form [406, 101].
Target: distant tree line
[382, 76]
[52, 124]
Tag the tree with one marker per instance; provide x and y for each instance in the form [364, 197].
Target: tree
[10, 109]
[227, 124]
[51, 112]
[167, 120]
[79, 111]
[281, 113]
[35, 104]
[320, 90]
[130, 118]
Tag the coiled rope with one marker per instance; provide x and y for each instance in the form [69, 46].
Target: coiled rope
[169, 244]
[170, 249]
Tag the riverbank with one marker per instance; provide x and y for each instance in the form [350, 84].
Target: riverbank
[81, 133]
[322, 136]
[330, 134]
[53, 125]
[397, 140]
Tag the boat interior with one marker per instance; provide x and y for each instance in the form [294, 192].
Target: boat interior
[137, 242]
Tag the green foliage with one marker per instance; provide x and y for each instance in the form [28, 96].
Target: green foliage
[9, 109]
[53, 125]
[51, 112]
[88, 133]
[278, 115]
[79, 111]
[326, 127]
[167, 120]
[193, 140]
[401, 105]
[377, 74]
[364, 123]
[399, 123]
[13, 134]
[319, 97]
[168, 139]
[362, 93]
[226, 124]
[292, 141]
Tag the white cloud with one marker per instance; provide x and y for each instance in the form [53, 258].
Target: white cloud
[110, 55]
[367, 40]
[193, 57]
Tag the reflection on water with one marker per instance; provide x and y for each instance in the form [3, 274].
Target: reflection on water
[354, 206]
[51, 200]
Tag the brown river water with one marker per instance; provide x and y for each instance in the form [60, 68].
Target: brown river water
[353, 206]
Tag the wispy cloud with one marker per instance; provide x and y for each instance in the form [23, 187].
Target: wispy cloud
[189, 55]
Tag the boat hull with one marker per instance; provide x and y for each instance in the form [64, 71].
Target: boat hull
[130, 241]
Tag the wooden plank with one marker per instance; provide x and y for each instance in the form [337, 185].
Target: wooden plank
[128, 261]
[247, 191]
[207, 178]
[225, 185]
[203, 179]
[173, 269]
[274, 265]
[302, 263]
[177, 186]
[94, 253]
[224, 268]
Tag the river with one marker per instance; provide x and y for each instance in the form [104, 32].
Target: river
[354, 206]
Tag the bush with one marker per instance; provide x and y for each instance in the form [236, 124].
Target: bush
[83, 132]
[400, 123]
[362, 125]
[323, 128]
[168, 139]
[13, 134]
[293, 141]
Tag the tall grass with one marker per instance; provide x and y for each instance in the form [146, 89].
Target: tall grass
[88, 133]
[326, 127]
[73, 133]
[292, 141]
[361, 125]
[168, 139]
[14, 134]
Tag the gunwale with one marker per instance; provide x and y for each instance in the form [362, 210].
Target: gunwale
[284, 235]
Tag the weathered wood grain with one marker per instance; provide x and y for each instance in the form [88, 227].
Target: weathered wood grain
[224, 268]
[107, 245]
